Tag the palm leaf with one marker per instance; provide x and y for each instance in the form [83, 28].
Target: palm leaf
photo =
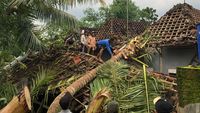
[127, 86]
[29, 40]
[48, 12]
[7, 91]
[43, 77]
[57, 2]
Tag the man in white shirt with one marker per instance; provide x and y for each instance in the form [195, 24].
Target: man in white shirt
[65, 102]
[83, 40]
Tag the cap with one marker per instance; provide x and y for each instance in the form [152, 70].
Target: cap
[83, 31]
[156, 99]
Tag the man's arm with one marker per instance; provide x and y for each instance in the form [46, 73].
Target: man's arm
[109, 49]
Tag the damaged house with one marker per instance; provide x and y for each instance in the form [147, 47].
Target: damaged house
[174, 38]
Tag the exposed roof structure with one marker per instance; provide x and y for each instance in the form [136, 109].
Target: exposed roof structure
[118, 27]
[175, 27]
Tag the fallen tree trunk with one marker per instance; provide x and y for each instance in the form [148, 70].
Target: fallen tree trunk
[132, 48]
[19, 104]
[80, 83]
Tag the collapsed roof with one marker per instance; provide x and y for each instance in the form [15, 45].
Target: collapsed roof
[64, 63]
[175, 27]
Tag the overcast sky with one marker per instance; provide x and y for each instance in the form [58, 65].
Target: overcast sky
[161, 6]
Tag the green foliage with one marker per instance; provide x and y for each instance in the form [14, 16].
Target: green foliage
[117, 10]
[16, 30]
[3, 102]
[127, 86]
[54, 34]
[7, 91]
[94, 18]
[43, 77]
[148, 14]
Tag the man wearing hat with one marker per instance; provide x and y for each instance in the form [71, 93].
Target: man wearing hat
[162, 105]
[83, 40]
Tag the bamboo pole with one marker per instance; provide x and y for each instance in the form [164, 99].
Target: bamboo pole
[146, 88]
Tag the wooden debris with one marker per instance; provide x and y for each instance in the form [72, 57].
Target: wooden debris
[64, 63]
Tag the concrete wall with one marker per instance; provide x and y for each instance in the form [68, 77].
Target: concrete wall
[172, 58]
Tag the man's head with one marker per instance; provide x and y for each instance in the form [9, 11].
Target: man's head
[111, 41]
[113, 107]
[162, 106]
[89, 34]
[65, 101]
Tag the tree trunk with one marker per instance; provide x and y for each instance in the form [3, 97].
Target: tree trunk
[19, 104]
[78, 84]
[98, 101]
[131, 48]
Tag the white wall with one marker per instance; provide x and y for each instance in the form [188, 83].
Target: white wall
[173, 57]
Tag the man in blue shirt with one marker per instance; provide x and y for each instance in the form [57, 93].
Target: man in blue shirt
[105, 43]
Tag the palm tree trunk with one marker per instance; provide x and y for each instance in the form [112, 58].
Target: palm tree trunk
[131, 48]
[98, 101]
[19, 104]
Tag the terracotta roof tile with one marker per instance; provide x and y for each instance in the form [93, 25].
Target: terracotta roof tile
[118, 27]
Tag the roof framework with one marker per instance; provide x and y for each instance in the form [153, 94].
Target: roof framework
[175, 27]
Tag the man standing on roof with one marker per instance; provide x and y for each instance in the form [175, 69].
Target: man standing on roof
[83, 41]
[105, 43]
[91, 41]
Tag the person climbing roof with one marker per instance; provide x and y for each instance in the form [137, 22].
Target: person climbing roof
[102, 44]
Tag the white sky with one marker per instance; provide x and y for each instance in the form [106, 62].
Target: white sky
[161, 6]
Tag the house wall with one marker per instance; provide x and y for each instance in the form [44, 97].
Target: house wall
[172, 58]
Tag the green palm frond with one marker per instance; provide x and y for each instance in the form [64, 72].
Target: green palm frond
[57, 2]
[43, 77]
[28, 39]
[127, 86]
[7, 91]
[48, 12]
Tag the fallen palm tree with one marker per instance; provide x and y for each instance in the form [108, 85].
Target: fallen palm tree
[130, 49]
